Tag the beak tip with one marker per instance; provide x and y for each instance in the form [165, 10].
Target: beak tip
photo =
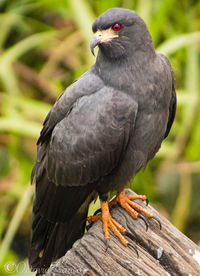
[94, 42]
[92, 50]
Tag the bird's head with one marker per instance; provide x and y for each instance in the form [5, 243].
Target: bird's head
[120, 32]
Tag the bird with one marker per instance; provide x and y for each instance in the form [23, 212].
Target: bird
[102, 130]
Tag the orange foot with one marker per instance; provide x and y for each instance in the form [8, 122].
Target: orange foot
[134, 209]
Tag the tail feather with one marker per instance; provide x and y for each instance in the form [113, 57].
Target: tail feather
[51, 241]
[58, 220]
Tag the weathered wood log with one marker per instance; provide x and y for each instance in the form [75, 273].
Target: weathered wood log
[161, 252]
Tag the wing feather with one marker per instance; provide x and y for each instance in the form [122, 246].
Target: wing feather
[87, 144]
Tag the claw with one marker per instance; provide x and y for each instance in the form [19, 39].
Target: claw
[107, 243]
[129, 234]
[97, 211]
[130, 244]
[134, 209]
[89, 226]
[141, 216]
[147, 202]
[158, 221]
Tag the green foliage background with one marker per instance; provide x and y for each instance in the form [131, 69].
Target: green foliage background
[44, 46]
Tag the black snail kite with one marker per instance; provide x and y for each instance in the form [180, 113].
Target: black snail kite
[101, 131]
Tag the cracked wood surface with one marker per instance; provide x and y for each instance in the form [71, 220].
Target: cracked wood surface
[161, 252]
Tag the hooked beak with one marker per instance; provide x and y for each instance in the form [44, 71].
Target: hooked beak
[102, 37]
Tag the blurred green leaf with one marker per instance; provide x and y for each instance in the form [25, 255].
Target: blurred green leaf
[170, 46]
[19, 126]
[21, 208]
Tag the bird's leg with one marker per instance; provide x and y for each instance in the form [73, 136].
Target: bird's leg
[134, 209]
[112, 224]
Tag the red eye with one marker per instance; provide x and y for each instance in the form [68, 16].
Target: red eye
[116, 27]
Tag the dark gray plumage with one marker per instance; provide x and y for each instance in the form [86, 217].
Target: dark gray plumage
[101, 131]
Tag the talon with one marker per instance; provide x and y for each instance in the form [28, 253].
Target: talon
[98, 211]
[129, 234]
[141, 216]
[109, 223]
[130, 244]
[147, 202]
[107, 243]
[158, 221]
[89, 226]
